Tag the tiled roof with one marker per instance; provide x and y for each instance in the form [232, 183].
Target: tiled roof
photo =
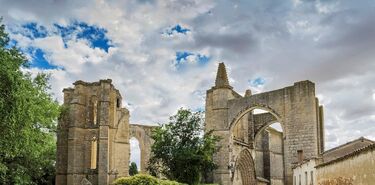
[352, 154]
[345, 149]
[348, 143]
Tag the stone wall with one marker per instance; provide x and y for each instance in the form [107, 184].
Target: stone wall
[276, 156]
[143, 134]
[295, 107]
[92, 135]
[357, 168]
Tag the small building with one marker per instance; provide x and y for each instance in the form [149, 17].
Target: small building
[357, 168]
[345, 149]
[332, 166]
[304, 173]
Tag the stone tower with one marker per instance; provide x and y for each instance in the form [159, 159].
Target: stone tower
[93, 135]
[216, 120]
[230, 116]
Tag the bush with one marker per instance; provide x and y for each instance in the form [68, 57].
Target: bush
[142, 179]
[168, 182]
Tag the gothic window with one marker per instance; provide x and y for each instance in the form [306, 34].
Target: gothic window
[94, 109]
[94, 150]
[312, 177]
[118, 103]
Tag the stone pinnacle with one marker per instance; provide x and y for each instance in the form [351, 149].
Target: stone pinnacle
[222, 77]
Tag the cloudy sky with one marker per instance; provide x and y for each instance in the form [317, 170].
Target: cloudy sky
[163, 55]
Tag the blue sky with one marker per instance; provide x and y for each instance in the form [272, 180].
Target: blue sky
[95, 36]
[161, 59]
[185, 58]
[39, 59]
[177, 29]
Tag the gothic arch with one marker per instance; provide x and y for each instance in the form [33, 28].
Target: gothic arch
[295, 107]
[264, 127]
[250, 108]
[245, 166]
[142, 133]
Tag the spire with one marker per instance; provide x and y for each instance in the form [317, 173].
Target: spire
[221, 77]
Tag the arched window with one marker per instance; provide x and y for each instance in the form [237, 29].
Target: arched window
[94, 150]
[118, 103]
[94, 102]
[135, 152]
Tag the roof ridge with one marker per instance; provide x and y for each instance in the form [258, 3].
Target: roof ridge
[347, 143]
[360, 150]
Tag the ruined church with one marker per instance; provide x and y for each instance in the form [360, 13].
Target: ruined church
[94, 132]
[251, 152]
[93, 136]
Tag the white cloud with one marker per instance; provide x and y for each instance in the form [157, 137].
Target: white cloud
[330, 43]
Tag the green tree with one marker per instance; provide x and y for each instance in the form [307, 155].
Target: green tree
[182, 151]
[133, 169]
[28, 117]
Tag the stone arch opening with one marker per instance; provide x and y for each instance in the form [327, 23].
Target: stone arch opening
[295, 107]
[244, 171]
[255, 109]
[269, 153]
[264, 138]
[273, 124]
[135, 152]
[142, 134]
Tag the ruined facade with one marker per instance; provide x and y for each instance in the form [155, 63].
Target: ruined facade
[231, 116]
[93, 135]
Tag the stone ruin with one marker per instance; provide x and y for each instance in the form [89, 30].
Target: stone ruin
[94, 131]
[251, 152]
[93, 136]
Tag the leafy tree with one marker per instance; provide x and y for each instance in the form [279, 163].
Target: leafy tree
[28, 117]
[182, 151]
[133, 170]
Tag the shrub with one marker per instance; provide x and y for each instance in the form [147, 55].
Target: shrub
[168, 182]
[142, 179]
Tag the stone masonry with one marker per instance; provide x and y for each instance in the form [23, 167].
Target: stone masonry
[93, 136]
[230, 116]
[94, 131]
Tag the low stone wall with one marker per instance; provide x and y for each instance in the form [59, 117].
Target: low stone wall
[357, 168]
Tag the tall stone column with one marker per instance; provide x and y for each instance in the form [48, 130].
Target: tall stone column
[77, 121]
[62, 141]
[217, 121]
[301, 125]
[103, 159]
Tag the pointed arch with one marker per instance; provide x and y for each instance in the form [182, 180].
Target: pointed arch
[250, 108]
[245, 165]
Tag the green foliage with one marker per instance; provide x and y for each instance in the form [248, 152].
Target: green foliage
[142, 179]
[169, 182]
[133, 170]
[182, 151]
[28, 117]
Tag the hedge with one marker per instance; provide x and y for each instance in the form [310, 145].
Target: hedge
[142, 179]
